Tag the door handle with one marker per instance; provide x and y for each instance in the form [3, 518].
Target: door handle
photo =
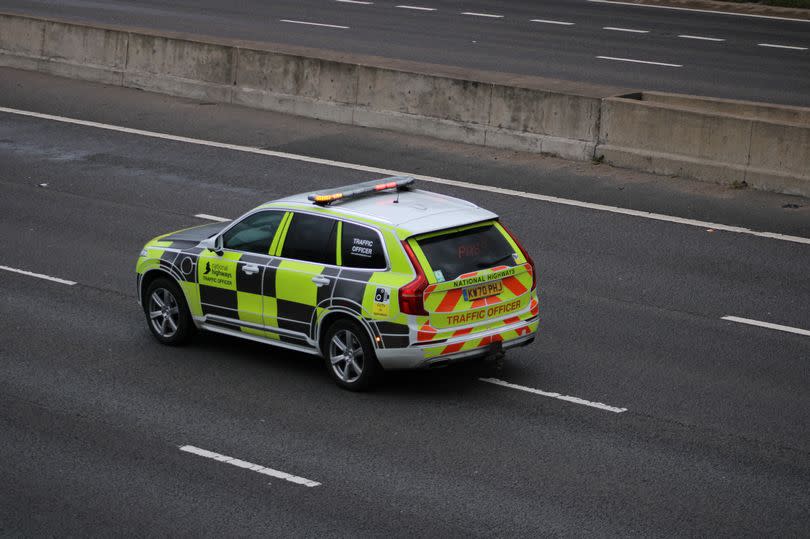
[250, 269]
[320, 280]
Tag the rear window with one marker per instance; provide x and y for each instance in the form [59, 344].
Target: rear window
[474, 249]
[311, 238]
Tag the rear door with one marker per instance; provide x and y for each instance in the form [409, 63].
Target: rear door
[305, 276]
[477, 275]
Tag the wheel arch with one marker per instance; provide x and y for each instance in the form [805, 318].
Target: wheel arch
[334, 315]
[149, 277]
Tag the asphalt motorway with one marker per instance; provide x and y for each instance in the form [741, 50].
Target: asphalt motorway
[623, 46]
[94, 413]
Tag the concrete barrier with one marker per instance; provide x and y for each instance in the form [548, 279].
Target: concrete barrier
[491, 109]
[765, 146]
[721, 141]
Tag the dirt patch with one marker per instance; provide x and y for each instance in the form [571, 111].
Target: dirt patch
[735, 7]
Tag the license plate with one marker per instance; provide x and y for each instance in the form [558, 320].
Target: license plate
[485, 290]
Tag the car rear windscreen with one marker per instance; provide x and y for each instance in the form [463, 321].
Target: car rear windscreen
[474, 249]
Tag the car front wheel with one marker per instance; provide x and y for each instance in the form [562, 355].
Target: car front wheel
[167, 313]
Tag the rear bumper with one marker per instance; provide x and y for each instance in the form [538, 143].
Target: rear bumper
[413, 357]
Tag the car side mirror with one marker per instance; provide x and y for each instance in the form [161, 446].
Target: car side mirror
[213, 244]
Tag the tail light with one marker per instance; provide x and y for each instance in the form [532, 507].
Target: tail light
[411, 296]
[526, 255]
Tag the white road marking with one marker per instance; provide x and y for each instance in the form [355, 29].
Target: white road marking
[701, 38]
[699, 10]
[417, 8]
[258, 468]
[768, 325]
[791, 47]
[316, 24]
[354, 2]
[212, 218]
[638, 61]
[546, 21]
[474, 14]
[430, 179]
[575, 400]
[631, 30]
[38, 275]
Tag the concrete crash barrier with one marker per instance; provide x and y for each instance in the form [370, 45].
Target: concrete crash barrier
[490, 109]
[714, 140]
[717, 140]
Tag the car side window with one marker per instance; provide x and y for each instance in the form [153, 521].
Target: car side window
[254, 233]
[361, 247]
[311, 238]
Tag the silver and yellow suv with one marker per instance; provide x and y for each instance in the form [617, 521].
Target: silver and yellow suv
[371, 275]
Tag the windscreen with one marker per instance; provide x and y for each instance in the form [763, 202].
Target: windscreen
[474, 249]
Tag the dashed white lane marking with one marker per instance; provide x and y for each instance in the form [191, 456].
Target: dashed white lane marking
[316, 24]
[630, 30]
[430, 179]
[774, 46]
[474, 14]
[38, 275]
[258, 468]
[547, 21]
[354, 2]
[417, 8]
[575, 400]
[768, 325]
[701, 38]
[638, 61]
[699, 10]
[212, 218]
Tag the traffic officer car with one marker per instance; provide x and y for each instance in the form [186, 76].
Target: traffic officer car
[369, 276]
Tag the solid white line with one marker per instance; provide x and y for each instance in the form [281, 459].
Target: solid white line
[354, 2]
[638, 61]
[791, 47]
[546, 21]
[575, 400]
[490, 15]
[701, 38]
[631, 30]
[249, 466]
[700, 10]
[38, 275]
[767, 325]
[417, 8]
[316, 24]
[212, 218]
[429, 179]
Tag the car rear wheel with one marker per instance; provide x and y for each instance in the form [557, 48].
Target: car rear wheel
[350, 357]
[167, 313]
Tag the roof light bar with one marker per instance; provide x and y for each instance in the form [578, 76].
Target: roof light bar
[327, 197]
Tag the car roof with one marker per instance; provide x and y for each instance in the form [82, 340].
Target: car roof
[412, 211]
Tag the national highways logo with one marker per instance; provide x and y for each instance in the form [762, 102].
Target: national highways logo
[218, 274]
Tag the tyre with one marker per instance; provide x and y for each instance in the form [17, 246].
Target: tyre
[167, 313]
[350, 356]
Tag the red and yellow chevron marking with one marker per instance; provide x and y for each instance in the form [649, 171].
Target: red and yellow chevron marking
[473, 342]
[450, 300]
[453, 348]
[426, 333]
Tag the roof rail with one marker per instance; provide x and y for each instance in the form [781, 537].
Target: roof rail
[325, 198]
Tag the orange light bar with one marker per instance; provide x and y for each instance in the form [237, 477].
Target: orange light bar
[360, 189]
[320, 199]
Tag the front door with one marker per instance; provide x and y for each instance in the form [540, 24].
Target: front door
[232, 282]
